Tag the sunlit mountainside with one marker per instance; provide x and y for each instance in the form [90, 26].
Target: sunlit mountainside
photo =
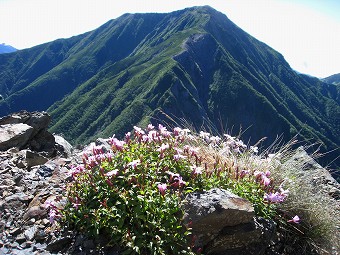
[194, 64]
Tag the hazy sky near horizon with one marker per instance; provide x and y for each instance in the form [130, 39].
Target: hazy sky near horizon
[306, 32]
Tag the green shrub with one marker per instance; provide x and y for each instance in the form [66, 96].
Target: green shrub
[133, 193]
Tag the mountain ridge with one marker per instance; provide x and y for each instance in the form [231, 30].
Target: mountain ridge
[193, 63]
[4, 48]
[333, 79]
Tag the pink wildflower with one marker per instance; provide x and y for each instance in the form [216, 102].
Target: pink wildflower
[97, 150]
[178, 150]
[295, 219]
[164, 132]
[177, 131]
[150, 127]
[274, 197]
[52, 215]
[134, 163]
[185, 131]
[178, 182]
[162, 188]
[163, 147]
[243, 173]
[85, 156]
[173, 176]
[116, 144]
[112, 173]
[138, 131]
[109, 156]
[254, 149]
[284, 192]
[205, 136]
[215, 139]
[196, 170]
[76, 170]
[145, 138]
[161, 128]
[128, 137]
[177, 157]
[258, 173]
[193, 150]
[265, 180]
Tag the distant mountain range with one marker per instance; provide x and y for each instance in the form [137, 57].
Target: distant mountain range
[193, 64]
[333, 79]
[6, 48]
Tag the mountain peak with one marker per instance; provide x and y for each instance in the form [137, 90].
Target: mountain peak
[193, 64]
[6, 48]
[333, 79]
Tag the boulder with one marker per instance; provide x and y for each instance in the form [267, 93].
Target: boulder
[223, 223]
[14, 135]
[28, 130]
[34, 159]
[103, 143]
[313, 173]
[25, 129]
[43, 141]
[64, 147]
[37, 120]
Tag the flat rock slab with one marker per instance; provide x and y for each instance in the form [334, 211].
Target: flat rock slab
[211, 211]
[217, 208]
[14, 135]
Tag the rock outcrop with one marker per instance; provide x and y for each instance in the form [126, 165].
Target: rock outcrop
[26, 130]
[32, 171]
[313, 173]
[223, 223]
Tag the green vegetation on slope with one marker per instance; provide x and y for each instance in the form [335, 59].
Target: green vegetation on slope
[193, 64]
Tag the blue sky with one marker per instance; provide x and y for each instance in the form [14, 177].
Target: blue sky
[306, 32]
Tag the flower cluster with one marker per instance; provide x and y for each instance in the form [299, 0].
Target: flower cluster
[133, 190]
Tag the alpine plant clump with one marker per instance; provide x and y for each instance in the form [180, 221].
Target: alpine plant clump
[133, 192]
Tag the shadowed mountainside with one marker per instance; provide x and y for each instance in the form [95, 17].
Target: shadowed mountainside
[6, 48]
[333, 79]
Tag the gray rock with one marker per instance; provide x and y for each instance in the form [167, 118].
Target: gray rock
[59, 244]
[20, 238]
[40, 235]
[104, 143]
[14, 118]
[212, 210]
[17, 178]
[249, 238]
[30, 233]
[35, 212]
[224, 223]
[35, 159]
[37, 120]
[19, 197]
[43, 142]
[15, 231]
[14, 135]
[63, 146]
[313, 173]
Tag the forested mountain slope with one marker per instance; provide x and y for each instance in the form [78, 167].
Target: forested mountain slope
[194, 63]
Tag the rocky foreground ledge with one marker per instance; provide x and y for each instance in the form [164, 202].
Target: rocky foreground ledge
[34, 167]
[32, 170]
